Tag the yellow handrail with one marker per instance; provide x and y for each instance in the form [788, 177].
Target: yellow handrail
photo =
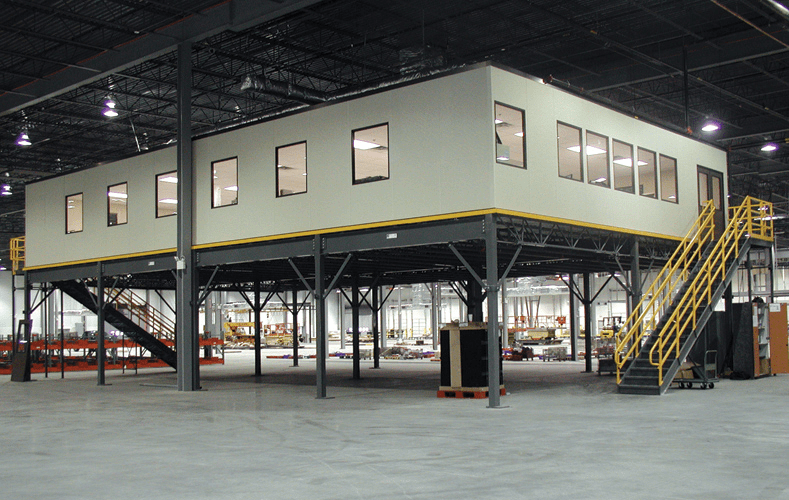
[751, 219]
[662, 290]
[17, 253]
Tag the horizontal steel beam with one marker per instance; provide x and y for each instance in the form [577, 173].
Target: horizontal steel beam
[260, 252]
[405, 236]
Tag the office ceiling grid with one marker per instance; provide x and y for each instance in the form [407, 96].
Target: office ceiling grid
[630, 55]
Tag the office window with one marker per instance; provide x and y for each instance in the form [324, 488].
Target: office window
[510, 135]
[624, 179]
[569, 140]
[647, 173]
[668, 179]
[117, 200]
[224, 182]
[167, 194]
[292, 169]
[371, 154]
[74, 213]
[597, 159]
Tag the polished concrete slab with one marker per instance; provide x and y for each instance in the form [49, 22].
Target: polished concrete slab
[564, 434]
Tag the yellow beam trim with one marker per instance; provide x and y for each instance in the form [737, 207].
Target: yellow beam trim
[371, 225]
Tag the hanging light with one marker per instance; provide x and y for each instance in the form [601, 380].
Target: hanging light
[109, 111]
[769, 147]
[23, 139]
[6, 190]
[711, 126]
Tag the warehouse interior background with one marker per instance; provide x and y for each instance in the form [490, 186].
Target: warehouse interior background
[87, 83]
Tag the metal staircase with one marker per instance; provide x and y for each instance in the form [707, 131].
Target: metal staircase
[143, 324]
[665, 325]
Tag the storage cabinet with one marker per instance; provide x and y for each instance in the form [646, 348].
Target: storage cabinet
[770, 344]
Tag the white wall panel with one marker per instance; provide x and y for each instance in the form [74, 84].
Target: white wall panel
[540, 190]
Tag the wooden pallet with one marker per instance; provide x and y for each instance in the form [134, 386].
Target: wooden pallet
[467, 393]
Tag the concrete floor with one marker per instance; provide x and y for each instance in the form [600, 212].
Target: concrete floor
[565, 434]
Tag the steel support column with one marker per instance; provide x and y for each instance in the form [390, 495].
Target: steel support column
[100, 352]
[295, 313]
[435, 308]
[376, 307]
[494, 351]
[588, 321]
[256, 309]
[635, 280]
[355, 326]
[320, 318]
[384, 322]
[573, 320]
[186, 339]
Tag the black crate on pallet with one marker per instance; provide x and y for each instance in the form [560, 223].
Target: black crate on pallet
[464, 358]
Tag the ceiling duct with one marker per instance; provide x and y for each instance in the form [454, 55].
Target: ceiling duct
[420, 58]
[259, 83]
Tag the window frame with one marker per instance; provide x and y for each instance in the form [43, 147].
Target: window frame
[585, 147]
[109, 203]
[654, 173]
[523, 130]
[580, 153]
[276, 168]
[353, 155]
[211, 173]
[174, 173]
[81, 215]
[676, 179]
[633, 165]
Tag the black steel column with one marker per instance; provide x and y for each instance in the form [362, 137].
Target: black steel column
[295, 313]
[475, 300]
[635, 282]
[256, 310]
[62, 338]
[320, 318]
[355, 326]
[100, 353]
[588, 321]
[772, 272]
[749, 270]
[376, 310]
[187, 342]
[573, 319]
[494, 351]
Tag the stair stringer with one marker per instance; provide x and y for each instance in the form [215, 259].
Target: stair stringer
[120, 321]
[672, 370]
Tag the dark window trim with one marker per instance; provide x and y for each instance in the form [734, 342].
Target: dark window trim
[174, 173]
[607, 158]
[82, 214]
[634, 161]
[109, 201]
[676, 178]
[581, 135]
[211, 173]
[353, 156]
[523, 128]
[276, 168]
[655, 173]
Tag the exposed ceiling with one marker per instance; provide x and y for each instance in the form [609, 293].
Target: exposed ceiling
[59, 60]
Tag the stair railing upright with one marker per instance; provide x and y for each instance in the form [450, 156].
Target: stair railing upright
[643, 320]
[751, 219]
[146, 316]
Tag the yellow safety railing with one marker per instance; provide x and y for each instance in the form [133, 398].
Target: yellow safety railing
[752, 219]
[17, 253]
[656, 299]
[148, 318]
